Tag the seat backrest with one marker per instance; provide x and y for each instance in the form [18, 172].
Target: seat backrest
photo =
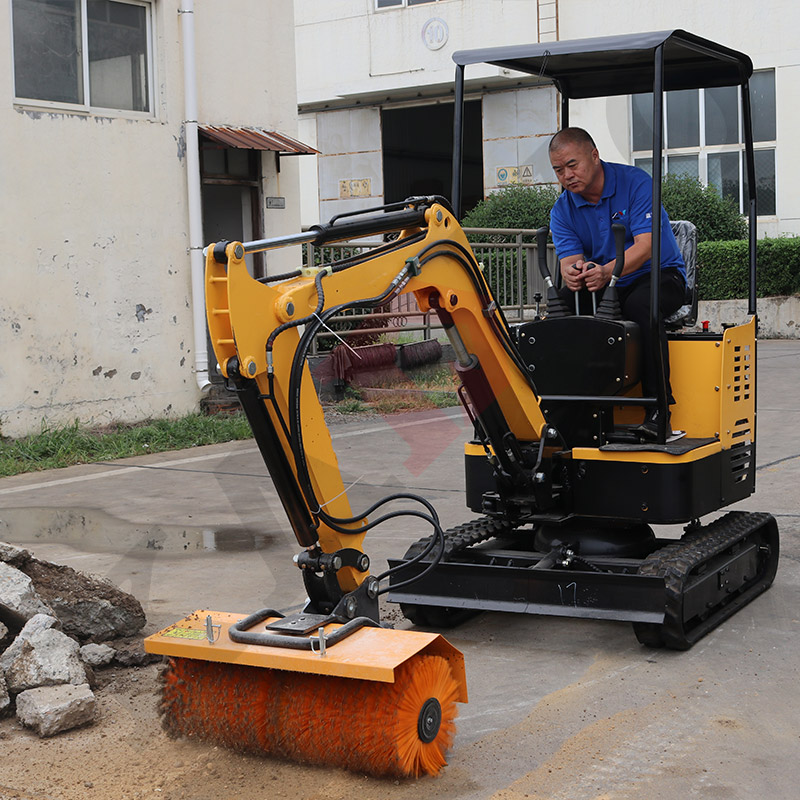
[686, 237]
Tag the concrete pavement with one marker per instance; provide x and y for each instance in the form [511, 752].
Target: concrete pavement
[202, 528]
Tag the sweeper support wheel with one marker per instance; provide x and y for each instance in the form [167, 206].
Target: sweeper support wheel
[379, 701]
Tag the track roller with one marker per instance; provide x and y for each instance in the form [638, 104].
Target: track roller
[709, 575]
[385, 729]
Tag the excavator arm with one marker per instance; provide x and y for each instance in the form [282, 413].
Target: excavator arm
[262, 330]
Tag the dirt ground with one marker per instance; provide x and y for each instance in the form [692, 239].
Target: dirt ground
[125, 755]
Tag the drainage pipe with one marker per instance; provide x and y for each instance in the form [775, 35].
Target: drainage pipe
[186, 13]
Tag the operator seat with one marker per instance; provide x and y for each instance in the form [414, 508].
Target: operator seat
[686, 237]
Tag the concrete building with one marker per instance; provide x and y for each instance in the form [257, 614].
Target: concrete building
[379, 106]
[103, 182]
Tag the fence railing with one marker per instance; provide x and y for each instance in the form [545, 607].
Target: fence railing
[507, 256]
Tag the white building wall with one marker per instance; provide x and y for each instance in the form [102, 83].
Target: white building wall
[350, 167]
[95, 312]
[517, 126]
[380, 56]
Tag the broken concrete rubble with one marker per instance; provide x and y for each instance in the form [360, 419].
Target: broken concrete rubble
[46, 658]
[5, 698]
[53, 709]
[89, 608]
[17, 592]
[38, 622]
[97, 655]
[47, 611]
[11, 554]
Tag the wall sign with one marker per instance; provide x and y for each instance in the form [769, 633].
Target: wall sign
[435, 33]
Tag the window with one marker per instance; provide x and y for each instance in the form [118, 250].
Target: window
[703, 137]
[90, 53]
[394, 3]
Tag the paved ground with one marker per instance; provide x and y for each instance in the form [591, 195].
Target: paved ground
[559, 708]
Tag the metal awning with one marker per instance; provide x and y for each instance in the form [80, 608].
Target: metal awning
[256, 139]
[615, 65]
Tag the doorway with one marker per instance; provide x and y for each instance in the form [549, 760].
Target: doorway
[231, 197]
[418, 152]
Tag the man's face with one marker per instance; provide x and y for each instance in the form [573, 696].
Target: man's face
[577, 167]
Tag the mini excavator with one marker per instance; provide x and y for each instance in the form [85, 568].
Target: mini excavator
[566, 491]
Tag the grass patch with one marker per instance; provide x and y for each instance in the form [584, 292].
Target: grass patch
[428, 387]
[76, 444]
[406, 401]
[351, 405]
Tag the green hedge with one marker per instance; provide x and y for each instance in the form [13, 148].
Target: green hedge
[717, 219]
[514, 207]
[723, 273]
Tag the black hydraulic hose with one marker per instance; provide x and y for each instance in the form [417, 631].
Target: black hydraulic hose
[296, 374]
[284, 276]
[296, 444]
[484, 291]
[367, 255]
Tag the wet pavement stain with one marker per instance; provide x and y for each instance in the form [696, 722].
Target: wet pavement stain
[95, 530]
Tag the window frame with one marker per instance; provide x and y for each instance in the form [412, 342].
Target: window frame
[703, 150]
[87, 107]
[404, 4]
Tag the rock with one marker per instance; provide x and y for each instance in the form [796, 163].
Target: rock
[52, 709]
[18, 594]
[46, 658]
[11, 554]
[89, 608]
[134, 655]
[97, 655]
[5, 699]
[39, 622]
[3, 635]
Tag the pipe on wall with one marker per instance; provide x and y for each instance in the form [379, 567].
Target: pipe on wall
[197, 263]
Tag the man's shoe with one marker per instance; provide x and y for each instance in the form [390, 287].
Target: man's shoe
[648, 430]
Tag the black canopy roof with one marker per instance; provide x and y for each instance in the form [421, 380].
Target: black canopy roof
[614, 65]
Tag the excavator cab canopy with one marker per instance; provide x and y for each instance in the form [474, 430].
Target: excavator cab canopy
[619, 65]
[614, 65]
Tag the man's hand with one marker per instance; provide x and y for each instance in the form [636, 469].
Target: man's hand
[596, 276]
[573, 275]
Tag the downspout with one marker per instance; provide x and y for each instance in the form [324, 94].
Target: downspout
[196, 261]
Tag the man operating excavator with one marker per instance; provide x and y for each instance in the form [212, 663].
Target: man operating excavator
[599, 194]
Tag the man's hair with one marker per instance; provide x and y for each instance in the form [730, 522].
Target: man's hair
[571, 136]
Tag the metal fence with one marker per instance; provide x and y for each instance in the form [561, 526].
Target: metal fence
[507, 256]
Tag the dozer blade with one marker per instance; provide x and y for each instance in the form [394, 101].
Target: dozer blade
[380, 701]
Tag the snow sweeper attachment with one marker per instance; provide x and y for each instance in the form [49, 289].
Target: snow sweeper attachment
[357, 695]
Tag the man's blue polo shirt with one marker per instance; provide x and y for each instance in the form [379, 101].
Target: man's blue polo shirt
[579, 226]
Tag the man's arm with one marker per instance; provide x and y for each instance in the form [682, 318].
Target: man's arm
[599, 275]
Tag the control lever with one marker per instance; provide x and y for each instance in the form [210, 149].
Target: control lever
[555, 305]
[609, 306]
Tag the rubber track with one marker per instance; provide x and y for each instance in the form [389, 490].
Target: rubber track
[675, 562]
[462, 536]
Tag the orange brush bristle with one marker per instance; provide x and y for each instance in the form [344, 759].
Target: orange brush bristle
[385, 729]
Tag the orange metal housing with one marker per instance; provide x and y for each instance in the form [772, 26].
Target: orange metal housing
[371, 654]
